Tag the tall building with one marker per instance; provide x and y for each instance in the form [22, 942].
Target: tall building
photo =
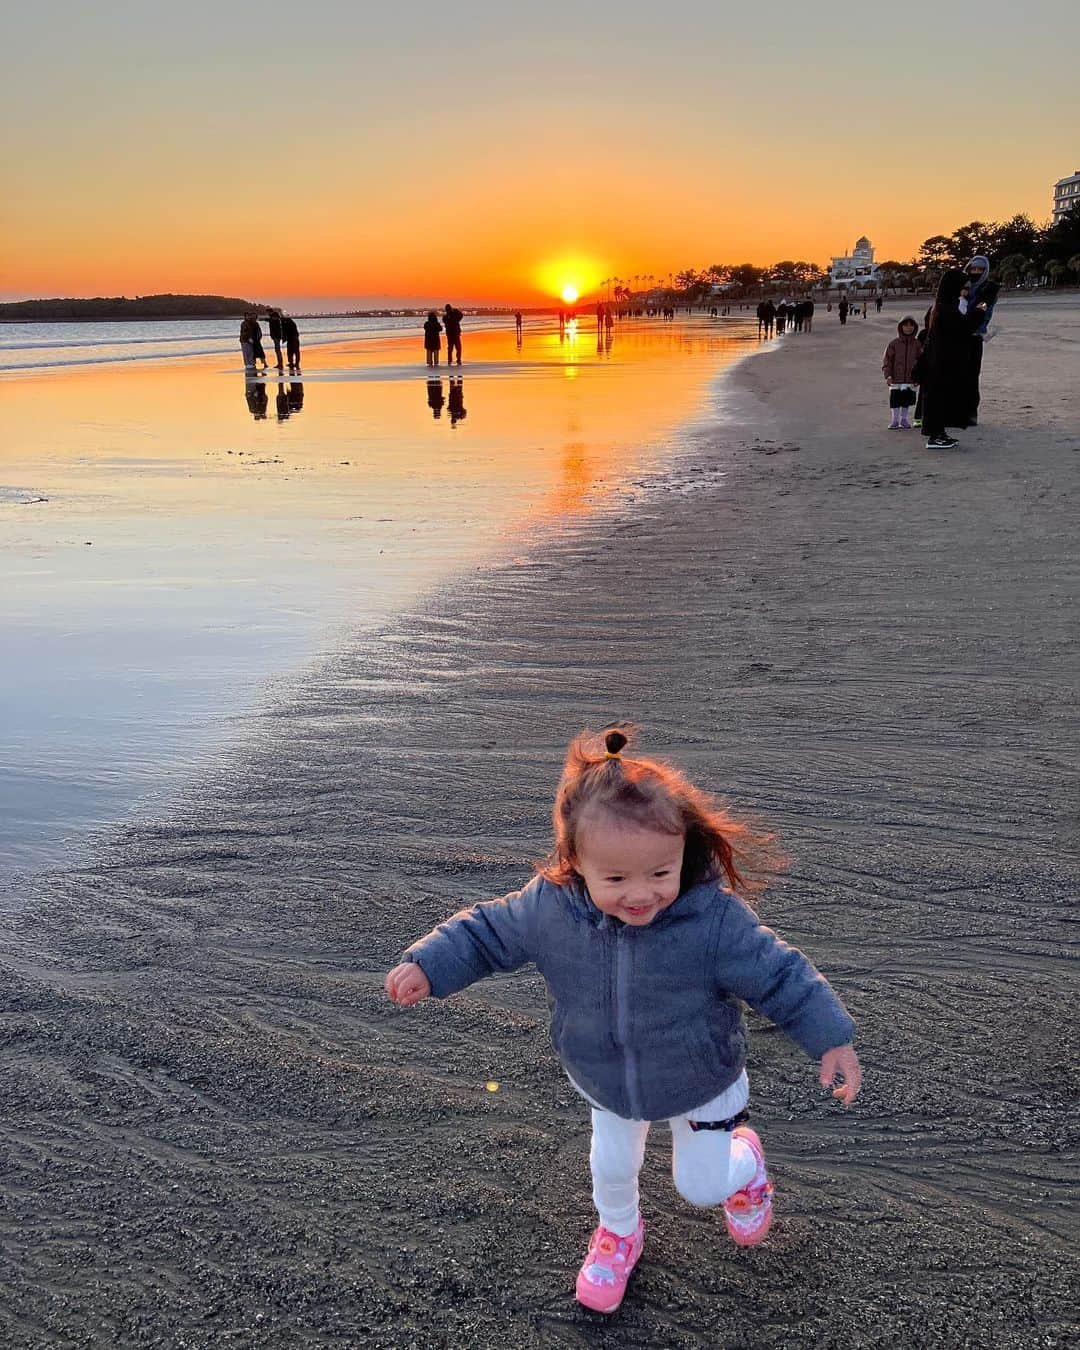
[858, 268]
[1066, 195]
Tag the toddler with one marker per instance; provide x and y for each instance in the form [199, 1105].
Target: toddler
[898, 367]
[635, 923]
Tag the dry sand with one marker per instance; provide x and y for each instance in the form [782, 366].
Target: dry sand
[215, 1130]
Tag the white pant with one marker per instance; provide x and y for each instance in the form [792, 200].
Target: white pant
[706, 1165]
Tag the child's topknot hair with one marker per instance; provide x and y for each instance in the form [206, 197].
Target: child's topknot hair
[598, 778]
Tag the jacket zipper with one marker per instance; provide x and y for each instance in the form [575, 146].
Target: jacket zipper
[622, 1019]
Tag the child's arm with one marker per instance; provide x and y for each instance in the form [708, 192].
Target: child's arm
[496, 935]
[778, 980]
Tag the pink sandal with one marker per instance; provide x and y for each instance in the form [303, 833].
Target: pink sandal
[748, 1213]
[609, 1263]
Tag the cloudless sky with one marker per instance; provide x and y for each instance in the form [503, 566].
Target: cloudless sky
[325, 147]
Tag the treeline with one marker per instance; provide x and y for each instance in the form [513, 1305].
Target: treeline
[693, 286]
[1020, 251]
[142, 307]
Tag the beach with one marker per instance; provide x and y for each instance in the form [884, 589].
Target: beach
[215, 1128]
[179, 537]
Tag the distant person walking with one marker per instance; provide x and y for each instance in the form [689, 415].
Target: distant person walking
[878, 302]
[291, 334]
[981, 291]
[946, 370]
[842, 309]
[766, 318]
[517, 325]
[452, 323]
[432, 340]
[273, 322]
[898, 367]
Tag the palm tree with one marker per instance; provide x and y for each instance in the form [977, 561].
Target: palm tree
[1014, 266]
[1074, 265]
[1054, 269]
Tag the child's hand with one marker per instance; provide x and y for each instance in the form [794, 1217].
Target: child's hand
[407, 984]
[842, 1060]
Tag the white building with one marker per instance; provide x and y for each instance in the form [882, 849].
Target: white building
[1066, 195]
[858, 268]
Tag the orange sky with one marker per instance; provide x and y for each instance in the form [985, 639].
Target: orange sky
[338, 152]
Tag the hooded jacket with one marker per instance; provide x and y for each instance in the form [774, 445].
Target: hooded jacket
[984, 292]
[646, 1020]
[898, 363]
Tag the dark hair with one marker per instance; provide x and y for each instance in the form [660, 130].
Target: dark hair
[654, 795]
[953, 280]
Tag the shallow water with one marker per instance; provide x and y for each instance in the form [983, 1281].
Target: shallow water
[175, 535]
[38, 346]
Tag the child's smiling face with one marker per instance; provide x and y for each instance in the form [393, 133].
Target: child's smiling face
[633, 873]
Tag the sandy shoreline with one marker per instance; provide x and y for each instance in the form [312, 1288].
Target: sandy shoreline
[216, 1131]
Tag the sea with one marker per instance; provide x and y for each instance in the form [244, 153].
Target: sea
[183, 542]
[33, 346]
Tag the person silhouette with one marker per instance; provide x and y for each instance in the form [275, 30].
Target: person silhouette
[256, 341]
[432, 340]
[435, 398]
[517, 325]
[452, 323]
[291, 334]
[456, 402]
[247, 342]
[273, 322]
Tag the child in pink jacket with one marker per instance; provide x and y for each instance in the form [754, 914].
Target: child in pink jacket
[898, 367]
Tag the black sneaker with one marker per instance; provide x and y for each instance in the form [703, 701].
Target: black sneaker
[941, 443]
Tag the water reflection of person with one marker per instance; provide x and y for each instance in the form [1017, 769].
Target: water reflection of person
[456, 402]
[281, 403]
[296, 396]
[435, 399]
[257, 400]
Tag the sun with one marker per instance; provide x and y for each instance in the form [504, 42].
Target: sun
[570, 294]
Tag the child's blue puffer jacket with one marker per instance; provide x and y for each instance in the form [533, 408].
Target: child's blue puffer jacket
[646, 1020]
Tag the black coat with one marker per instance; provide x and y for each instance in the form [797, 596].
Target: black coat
[947, 371]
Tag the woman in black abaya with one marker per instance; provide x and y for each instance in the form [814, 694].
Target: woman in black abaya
[946, 370]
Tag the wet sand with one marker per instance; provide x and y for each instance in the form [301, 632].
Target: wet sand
[215, 1130]
[175, 536]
